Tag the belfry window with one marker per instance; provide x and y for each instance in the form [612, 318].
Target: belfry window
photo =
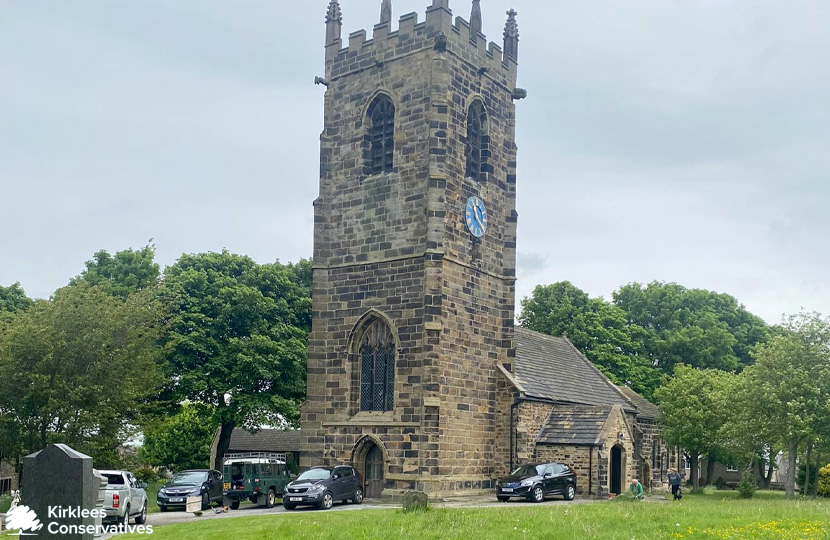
[377, 368]
[381, 135]
[476, 151]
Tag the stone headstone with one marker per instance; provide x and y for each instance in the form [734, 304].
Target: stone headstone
[414, 501]
[59, 484]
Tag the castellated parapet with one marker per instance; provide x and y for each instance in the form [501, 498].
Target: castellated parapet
[438, 31]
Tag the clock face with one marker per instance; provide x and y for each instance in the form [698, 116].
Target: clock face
[475, 216]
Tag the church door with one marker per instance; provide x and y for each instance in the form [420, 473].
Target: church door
[374, 473]
[616, 470]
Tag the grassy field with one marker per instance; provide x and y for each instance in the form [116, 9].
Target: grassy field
[714, 516]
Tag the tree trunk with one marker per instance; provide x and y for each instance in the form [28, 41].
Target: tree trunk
[224, 442]
[770, 469]
[792, 454]
[710, 468]
[807, 469]
[818, 468]
[695, 474]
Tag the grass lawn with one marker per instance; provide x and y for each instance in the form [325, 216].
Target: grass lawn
[713, 516]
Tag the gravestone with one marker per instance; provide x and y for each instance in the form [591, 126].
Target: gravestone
[415, 501]
[60, 484]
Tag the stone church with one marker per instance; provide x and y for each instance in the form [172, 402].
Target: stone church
[416, 373]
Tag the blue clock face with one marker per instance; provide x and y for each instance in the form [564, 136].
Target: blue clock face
[475, 216]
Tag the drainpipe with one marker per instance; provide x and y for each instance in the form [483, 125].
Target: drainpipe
[512, 414]
[590, 469]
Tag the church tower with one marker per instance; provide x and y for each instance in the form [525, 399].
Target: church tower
[414, 252]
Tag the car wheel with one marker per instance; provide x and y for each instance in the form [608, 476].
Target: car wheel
[289, 506]
[271, 500]
[253, 499]
[125, 519]
[538, 494]
[358, 496]
[570, 492]
[205, 501]
[141, 518]
[235, 504]
[327, 501]
[503, 499]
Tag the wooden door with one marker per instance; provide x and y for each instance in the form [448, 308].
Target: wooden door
[616, 470]
[374, 473]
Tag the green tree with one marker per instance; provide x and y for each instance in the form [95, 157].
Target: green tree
[791, 378]
[692, 412]
[237, 339]
[699, 328]
[13, 298]
[598, 329]
[75, 368]
[121, 274]
[181, 441]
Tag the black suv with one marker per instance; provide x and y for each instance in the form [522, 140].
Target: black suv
[321, 486]
[198, 483]
[537, 480]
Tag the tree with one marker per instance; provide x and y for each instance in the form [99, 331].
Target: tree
[236, 342]
[791, 376]
[13, 298]
[699, 328]
[121, 274]
[596, 328]
[181, 441]
[692, 412]
[75, 368]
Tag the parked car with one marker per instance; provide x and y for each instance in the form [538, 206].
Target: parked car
[259, 477]
[321, 486]
[536, 481]
[196, 483]
[124, 497]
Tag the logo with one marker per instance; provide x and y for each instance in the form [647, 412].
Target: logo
[21, 519]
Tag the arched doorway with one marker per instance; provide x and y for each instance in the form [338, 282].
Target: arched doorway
[616, 476]
[374, 466]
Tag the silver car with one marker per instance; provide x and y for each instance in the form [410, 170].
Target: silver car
[125, 497]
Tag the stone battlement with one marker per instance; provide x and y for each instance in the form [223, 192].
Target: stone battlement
[439, 31]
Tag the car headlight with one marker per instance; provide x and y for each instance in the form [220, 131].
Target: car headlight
[527, 483]
[315, 489]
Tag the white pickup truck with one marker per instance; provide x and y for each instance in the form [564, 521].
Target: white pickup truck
[125, 497]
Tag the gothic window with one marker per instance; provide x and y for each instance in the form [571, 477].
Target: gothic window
[381, 136]
[476, 141]
[377, 368]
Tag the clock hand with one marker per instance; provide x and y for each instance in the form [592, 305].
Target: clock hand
[479, 218]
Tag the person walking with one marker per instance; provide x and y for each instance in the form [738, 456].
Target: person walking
[675, 480]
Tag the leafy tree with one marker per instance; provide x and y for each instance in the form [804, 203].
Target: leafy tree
[237, 339]
[121, 274]
[181, 441]
[598, 329]
[74, 369]
[791, 378]
[692, 412]
[699, 328]
[13, 298]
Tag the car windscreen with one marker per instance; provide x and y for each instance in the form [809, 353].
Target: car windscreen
[237, 471]
[529, 470]
[114, 479]
[315, 474]
[189, 478]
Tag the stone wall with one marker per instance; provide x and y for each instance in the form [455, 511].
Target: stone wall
[532, 416]
[583, 460]
[8, 477]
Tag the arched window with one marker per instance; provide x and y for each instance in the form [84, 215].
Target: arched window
[381, 135]
[377, 367]
[476, 141]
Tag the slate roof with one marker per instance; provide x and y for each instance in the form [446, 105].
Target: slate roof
[552, 368]
[265, 440]
[574, 424]
[645, 408]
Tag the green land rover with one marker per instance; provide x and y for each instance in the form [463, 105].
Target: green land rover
[258, 477]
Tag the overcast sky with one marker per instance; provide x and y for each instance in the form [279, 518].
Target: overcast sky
[669, 140]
